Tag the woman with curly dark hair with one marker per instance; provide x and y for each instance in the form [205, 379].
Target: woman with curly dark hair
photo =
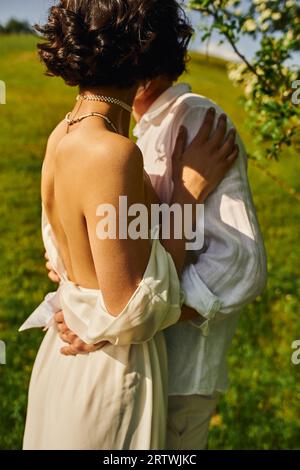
[117, 292]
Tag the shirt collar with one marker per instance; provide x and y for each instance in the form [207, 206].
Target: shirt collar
[161, 104]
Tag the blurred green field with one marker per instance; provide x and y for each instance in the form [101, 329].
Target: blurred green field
[262, 408]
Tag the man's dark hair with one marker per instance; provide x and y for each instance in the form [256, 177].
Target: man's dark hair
[115, 42]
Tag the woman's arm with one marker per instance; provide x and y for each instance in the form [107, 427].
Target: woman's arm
[119, 263]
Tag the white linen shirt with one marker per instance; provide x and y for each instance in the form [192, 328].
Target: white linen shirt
[229, 272]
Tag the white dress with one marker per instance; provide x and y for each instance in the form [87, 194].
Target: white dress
[114, 398]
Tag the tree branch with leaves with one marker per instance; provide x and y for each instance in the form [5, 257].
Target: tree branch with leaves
[269, 79]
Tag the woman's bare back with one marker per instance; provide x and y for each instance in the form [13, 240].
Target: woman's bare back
[59, 191]
[82, 169]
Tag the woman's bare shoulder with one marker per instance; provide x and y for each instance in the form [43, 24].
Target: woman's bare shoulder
[98, 164]
[111, 167]
[56, 136]
[113, 154]
[105, 150]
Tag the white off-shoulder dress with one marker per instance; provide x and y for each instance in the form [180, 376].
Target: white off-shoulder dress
[114, 398]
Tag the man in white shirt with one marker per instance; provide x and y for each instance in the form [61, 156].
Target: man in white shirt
[229, 272]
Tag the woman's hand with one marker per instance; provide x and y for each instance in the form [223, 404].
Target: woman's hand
[199, 169]
[53, 276]
[74, 344]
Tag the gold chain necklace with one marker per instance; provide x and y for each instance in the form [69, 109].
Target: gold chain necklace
[105, 99]
[79, 119]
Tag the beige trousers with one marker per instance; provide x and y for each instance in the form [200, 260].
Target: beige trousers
[188, 421]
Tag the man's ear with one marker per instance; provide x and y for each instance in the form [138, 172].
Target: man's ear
[142, 89]
[142, 99]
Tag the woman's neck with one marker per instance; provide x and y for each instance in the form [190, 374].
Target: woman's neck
[119, 116]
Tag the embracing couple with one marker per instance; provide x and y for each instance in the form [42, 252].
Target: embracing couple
[137, 333]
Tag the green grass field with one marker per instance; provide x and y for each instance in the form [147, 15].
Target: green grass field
[262, 408]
